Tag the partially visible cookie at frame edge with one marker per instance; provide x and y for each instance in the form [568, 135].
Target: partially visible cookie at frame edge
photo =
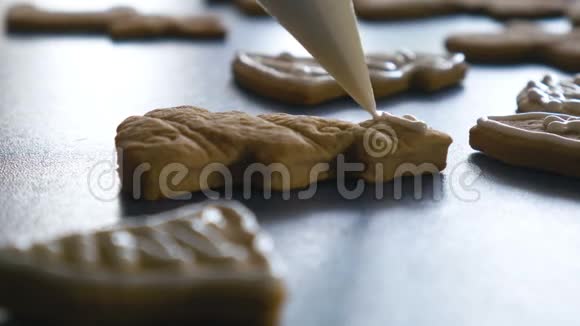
[403, 9]
[251, 7]
[198, 143]
[520, 42]
[551, 94]
[501, 9]
[211, 264]
[300, 80]
[119, 23]
[524, 9]
[543, 141]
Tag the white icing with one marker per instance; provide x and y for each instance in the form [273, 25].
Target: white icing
[496, 124]
[307, 67]
[561, 126]
[407, 121]
[160, 248]
[289, 64]
[405, 55]
[407, 60]
[378, 64]
[551, 95]
[122, 247]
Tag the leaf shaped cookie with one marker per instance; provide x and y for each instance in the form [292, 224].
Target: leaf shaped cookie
[212, 265]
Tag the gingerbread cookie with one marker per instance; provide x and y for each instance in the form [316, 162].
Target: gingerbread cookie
[544, 141]
[520, 42]
[198, 142]
[212, 266]
[119, 23]
[502, 9]
[551, 95]
[27, 18]
[508, 9]
[141, 27]
[304, 81]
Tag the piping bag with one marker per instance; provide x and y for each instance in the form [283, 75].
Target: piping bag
[328, 30]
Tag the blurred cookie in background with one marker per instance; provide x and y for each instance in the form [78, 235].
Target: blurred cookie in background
[520, 42]
[119, 23]
[500, 9]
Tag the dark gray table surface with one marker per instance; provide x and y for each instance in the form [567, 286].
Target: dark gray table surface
[501, 249]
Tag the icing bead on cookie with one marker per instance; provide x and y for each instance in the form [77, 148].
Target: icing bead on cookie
[408, 121]
[559, 125]
[551, 95]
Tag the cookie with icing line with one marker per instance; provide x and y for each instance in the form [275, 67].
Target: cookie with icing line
[551, 95]
[501, 9]
[543, 141]
[119, 23]
[212, 150]
[520, 42]
[212, 265]
[303, 81]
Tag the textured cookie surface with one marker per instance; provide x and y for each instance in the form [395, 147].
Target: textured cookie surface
[192, 266]
[520, 42]
[119, 23]
[551, 95]
[303, 81]
[401, 9]
[195, 143]
[543, 141]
